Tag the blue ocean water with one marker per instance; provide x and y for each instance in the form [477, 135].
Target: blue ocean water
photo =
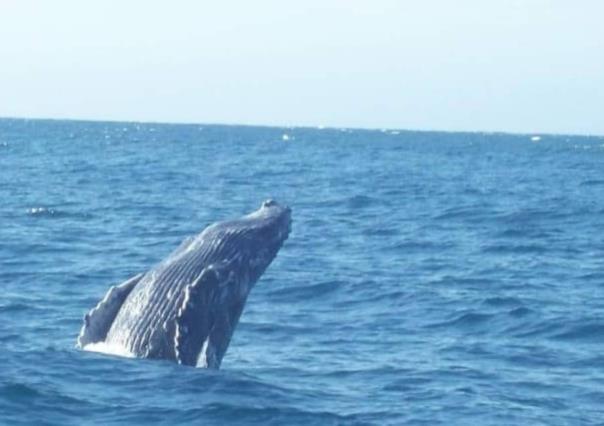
[430, 278]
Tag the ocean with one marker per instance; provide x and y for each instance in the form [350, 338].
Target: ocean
[430, 278]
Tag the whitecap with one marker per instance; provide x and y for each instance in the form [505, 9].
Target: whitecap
[40, 211]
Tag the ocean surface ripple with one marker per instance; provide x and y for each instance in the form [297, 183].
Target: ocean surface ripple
[430, 278]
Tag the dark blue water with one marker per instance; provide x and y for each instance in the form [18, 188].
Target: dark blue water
[430, 278]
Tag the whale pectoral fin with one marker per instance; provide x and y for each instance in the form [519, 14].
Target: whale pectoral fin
[98, 321]
[195, 317]
[221, 333]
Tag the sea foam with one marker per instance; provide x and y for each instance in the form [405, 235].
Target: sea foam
[109, 349]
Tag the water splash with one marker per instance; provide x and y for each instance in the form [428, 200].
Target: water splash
[109, 349]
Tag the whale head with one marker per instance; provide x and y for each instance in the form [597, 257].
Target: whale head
[271, 223]
[252, 240]
[266, 230]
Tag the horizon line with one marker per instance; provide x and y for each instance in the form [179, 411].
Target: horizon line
[294, 126]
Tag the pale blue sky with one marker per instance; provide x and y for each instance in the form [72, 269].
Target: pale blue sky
[526, 66]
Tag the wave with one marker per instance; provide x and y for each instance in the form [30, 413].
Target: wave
[583, 331]
[310, 291]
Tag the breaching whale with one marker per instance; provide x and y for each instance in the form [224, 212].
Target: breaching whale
[186, 308]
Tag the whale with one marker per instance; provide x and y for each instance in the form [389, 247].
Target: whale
[185, 308]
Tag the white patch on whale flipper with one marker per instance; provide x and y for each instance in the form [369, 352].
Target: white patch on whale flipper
[202, 360]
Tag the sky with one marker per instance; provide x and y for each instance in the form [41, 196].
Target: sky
[524, 66]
